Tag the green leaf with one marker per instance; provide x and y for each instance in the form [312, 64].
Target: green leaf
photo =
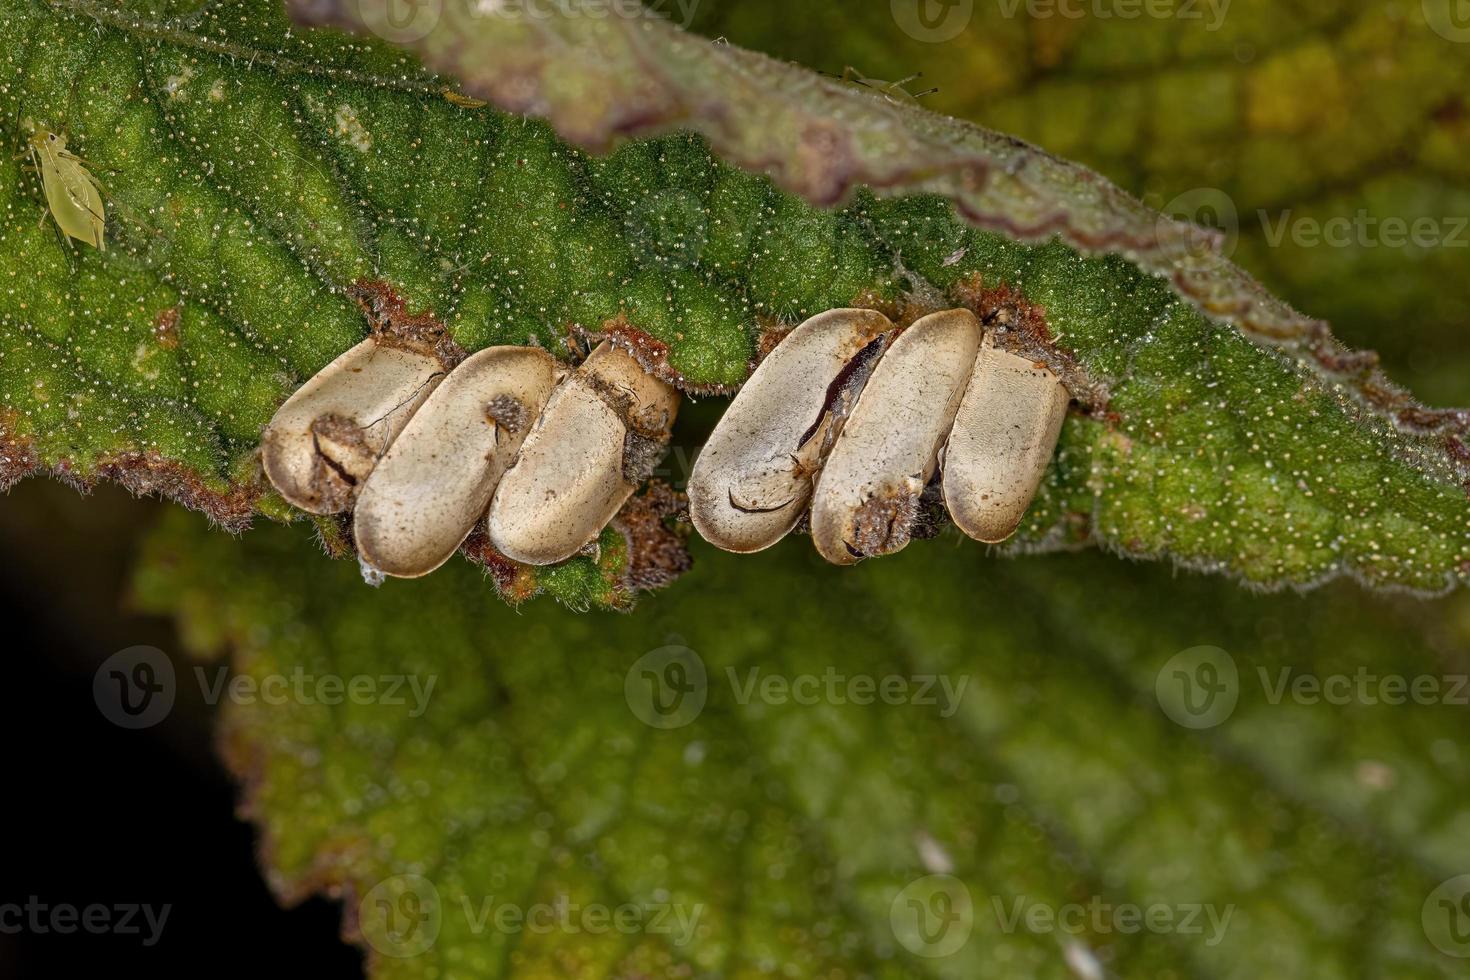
[1279, 116]
[784, 818]
[275, 193]
[1281, 120]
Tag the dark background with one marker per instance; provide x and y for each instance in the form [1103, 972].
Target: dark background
[94, 813]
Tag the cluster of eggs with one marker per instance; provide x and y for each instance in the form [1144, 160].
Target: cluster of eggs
[852, 419]
[418, 453]
[849, 418]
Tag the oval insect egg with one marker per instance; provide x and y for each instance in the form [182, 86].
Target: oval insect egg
[326, 439]
[753, 479]
[1004, 435]
[604, 429]
[436, 479]
[867, 497]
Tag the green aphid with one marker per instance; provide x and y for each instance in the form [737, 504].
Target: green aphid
[72, 193]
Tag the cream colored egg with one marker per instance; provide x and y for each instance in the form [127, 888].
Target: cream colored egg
[1003, 438]
[435, 481]
[867, 497]
[602, 433]
[325, 440]
[753, 479]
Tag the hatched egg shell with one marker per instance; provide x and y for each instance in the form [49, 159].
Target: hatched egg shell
[603, 431]
[753, 478]
[436, 480]
[867, 497]
[1003, 438]
[325, 440]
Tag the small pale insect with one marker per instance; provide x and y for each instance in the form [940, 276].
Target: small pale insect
[603, 431]
[72, 193]
[867, 499]
[892, 91]
[327, 438]
[460, 99]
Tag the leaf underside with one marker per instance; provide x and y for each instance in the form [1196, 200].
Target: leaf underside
[790, 823]
[262, 181]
